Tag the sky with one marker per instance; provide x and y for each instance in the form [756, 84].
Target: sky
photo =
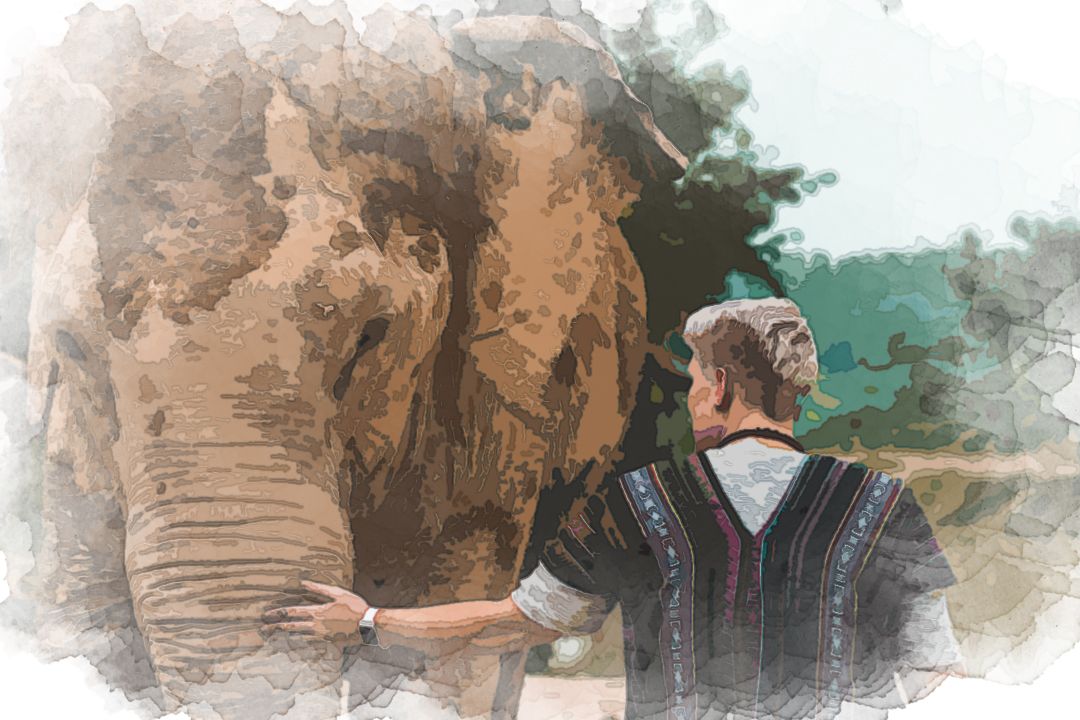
[936, 115]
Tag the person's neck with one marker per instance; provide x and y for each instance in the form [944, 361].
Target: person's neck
[734, 422]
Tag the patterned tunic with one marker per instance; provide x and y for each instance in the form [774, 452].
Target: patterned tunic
[781, 607]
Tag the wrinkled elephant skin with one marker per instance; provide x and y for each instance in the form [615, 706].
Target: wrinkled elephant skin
[329, 310]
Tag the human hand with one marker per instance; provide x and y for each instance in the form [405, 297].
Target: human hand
[336, 620]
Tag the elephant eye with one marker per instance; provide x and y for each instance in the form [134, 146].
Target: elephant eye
[414, 225]
[376, 218]
[387, 202]
[371, 335]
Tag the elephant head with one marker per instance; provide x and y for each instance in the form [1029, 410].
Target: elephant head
[330, 307]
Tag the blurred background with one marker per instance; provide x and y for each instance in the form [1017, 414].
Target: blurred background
[909, 173]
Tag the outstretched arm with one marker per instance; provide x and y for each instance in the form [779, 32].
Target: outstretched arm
[496, 626]
[488, 626]
[570, 592]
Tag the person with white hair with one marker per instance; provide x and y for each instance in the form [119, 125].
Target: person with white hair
[755, 580]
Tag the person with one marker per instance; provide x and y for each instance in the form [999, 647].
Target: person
[754, 579]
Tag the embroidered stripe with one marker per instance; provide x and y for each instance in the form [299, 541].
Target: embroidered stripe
[734, 545]
[847, 554]
[800, 545]
[667, 538]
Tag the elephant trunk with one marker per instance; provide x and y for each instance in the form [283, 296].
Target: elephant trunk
[218, 532]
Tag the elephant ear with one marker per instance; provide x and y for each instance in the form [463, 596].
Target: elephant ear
[568, 148]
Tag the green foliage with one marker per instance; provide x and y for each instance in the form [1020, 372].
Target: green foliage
[961, 345]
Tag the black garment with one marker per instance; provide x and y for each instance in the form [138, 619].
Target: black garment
[783, 623]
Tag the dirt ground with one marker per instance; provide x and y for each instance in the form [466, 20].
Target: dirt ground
[562, 698]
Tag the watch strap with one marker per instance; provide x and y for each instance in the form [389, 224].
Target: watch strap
[368, 633]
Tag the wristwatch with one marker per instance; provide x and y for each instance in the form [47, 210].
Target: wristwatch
[368, 634]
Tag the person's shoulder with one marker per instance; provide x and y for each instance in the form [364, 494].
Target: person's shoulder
[835, 462]
[644, 458]
[657, 460]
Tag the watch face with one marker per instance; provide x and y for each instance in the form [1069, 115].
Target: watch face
[369, 636]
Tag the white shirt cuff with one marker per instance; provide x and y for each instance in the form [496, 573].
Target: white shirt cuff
[927, 641]
[548, 601]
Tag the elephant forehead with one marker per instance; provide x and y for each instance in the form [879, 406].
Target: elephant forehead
[182, 209]
[203, 242]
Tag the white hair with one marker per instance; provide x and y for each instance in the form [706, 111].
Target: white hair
[774, 325]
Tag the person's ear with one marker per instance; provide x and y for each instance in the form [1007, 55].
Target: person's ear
[722, 399]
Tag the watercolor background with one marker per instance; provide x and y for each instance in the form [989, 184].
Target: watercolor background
[930, 236]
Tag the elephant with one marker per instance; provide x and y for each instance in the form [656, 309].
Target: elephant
[326, 305]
